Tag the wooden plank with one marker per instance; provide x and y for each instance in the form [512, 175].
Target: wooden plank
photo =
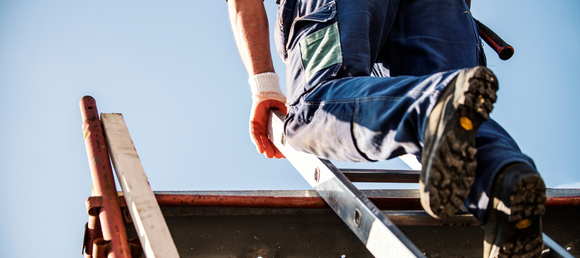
[153, 232]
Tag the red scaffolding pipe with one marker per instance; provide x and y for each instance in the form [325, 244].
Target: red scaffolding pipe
[387, 203]
[111, 218]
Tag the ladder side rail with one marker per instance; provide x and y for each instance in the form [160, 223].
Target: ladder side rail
[381, 237]
[411, 161]
[555, 249]
[150, 224]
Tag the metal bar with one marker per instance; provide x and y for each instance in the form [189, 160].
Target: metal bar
[563, 192]
[383, 199]
[562, 201]
[573, 195]
[101, 248]
[382, 175]
[92, 232]
[93, 228]
[421, 218]
[110, 215]
[240, 201]
[381, 237]
[153, 232]
[555, 249]
[383, 203]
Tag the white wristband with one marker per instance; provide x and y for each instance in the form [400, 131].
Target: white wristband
[265, 82]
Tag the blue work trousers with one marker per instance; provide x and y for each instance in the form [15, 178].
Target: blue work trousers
[364, 75]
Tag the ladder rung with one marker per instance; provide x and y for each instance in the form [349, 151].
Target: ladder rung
[382, 175]
[421, 218]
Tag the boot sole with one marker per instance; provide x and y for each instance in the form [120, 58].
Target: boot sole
[519, 234]
[450, 166]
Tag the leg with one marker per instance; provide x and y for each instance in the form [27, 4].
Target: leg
[324, 41]
[429, 47]
[513, 223]
[431, 36]
[495, 150]
[449, 160]
[329, 105]
[364, 118]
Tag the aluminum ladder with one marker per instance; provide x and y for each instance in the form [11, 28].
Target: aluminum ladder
[380, 236]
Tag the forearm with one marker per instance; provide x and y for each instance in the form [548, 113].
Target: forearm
[250, 27]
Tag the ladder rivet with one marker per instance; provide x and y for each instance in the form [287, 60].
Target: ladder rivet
[317, 175]
[357, 218]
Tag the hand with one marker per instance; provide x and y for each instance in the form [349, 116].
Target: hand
[262, 103]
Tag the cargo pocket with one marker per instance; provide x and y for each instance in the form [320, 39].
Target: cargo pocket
[320, 50]
[313, 48]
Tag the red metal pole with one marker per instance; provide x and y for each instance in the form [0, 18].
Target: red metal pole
[386, 203]
[567, 201]
[110, 215]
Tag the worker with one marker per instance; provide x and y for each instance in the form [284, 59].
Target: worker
[370, 80]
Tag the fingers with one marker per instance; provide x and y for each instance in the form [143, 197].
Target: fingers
[266, 147]
[256, 137]
[258, 121]
[259, 146]
[270, 149]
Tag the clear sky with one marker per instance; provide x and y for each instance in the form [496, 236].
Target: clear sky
[172, 69]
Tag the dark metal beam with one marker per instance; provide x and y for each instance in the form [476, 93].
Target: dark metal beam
[381, 175]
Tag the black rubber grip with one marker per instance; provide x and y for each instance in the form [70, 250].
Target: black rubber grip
[502, 48]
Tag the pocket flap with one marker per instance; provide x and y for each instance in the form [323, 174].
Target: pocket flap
[323, 14]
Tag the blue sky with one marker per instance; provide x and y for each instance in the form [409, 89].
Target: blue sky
[172, 69]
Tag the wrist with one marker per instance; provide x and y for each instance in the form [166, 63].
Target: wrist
[265, 83]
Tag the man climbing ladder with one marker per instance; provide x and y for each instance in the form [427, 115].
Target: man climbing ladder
[370, 80]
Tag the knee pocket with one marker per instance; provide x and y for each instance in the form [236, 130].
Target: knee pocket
[323, 131]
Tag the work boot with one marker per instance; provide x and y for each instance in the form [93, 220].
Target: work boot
[513, 223]
[448, 158]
